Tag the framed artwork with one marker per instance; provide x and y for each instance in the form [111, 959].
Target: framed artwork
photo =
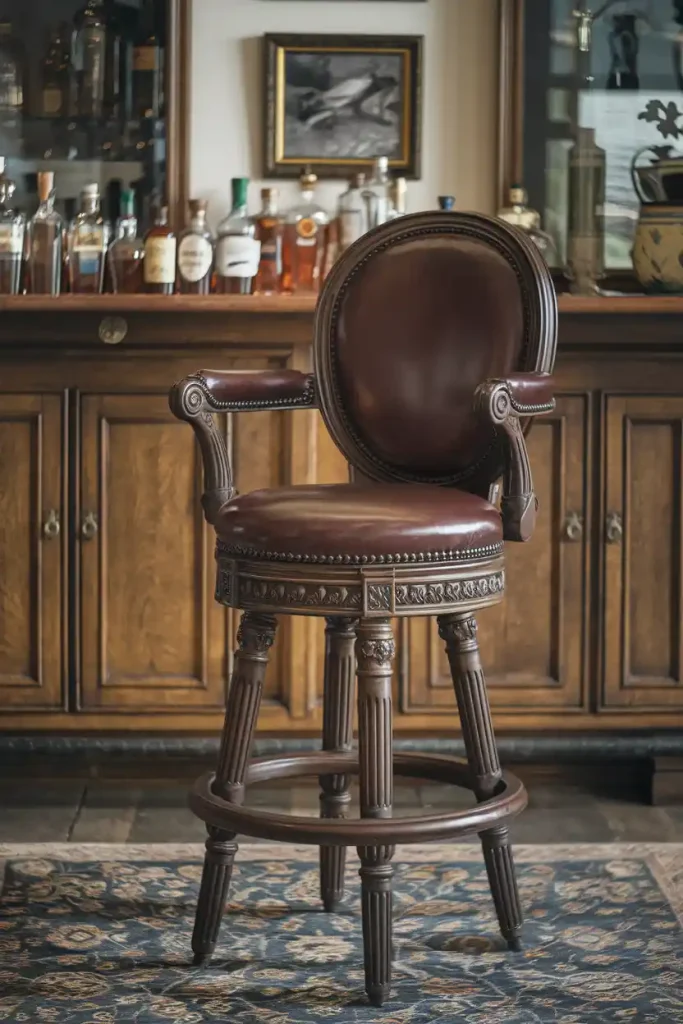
[338, 102]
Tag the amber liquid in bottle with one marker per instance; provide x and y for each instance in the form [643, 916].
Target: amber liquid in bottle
[269, 234]
[160, 256]
[45, 241]
[306, 232]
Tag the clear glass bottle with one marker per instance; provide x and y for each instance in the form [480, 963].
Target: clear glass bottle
[127, 251]
[399, 195]
[269, 231]
[12, 229]
[378, 193]
[586, 241]
[160, 256]
[304, 240]
[89, 54]
[353, 212]
[55, 75]
[237, 250]
[195, 252]
[45, 241]
[88, 240]
[522, 216]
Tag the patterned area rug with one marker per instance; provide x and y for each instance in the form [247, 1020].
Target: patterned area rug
[101, 935]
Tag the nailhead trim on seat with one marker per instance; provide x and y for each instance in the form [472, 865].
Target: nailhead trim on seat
[530, 410]
[460, 555]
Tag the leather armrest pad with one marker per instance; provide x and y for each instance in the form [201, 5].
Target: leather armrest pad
[256, 389]
[519, 394]
[531, 391]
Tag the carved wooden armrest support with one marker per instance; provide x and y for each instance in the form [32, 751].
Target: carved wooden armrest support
[197, 397]
[505, 403]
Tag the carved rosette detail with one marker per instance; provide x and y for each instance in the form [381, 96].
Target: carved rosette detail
[380, 651]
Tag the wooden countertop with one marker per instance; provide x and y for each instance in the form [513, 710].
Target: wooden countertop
[294, 304]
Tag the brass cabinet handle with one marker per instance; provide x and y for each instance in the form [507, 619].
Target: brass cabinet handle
[89, 526]
[52, 526]
[614, 528]
[573, 527]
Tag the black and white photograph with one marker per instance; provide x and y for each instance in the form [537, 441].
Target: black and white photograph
[338, 103]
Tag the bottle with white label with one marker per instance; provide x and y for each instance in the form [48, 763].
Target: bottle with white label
[238, 252]
[353, 212]
[88, 240]
[160, 256]
[195, 252]
[12, 230]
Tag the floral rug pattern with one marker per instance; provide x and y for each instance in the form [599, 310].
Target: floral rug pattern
[106, 940]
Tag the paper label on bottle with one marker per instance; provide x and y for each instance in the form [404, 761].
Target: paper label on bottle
[238, 256]
[145, 58]
[52, 102]
[89, 238]
[160, 254]
[195, 255]
[11, 239]
[351, 227]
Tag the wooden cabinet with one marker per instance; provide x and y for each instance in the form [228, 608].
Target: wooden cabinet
[643, 568]
[107, 616]
[534, 644]
[32, 523]
[151, 637]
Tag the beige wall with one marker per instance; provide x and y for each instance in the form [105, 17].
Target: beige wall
[460, 91]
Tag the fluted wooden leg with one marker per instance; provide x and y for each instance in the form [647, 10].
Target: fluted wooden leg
[460, 634]
[340, 672]
[254, 638]
[374, 654]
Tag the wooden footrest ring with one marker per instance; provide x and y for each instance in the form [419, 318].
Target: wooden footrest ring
[287, 828]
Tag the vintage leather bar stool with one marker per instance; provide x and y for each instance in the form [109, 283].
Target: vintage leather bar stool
[435, 338]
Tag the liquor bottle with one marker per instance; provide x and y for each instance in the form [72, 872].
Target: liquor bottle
[160, 255]
[12, 228]
[89, 55]
[195, 252]
[303, 248]
[353, 212]
[446, 202]
[12, 71]
[529, 220]
[586, 237]
[378, 193]
[127, 251]
[398, 192]
[269, 235]
[55, 73]
[45, 238]
[147, 66]
[237, 250]
[88, 239]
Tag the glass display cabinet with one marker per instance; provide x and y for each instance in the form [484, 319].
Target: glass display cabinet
[94, 91]
[592, 111]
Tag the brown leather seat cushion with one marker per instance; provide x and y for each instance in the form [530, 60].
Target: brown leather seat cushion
[352, 523]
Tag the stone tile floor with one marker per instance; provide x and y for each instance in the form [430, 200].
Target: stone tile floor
[147, 811]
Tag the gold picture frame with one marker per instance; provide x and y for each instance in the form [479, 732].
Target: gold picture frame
[337, 102]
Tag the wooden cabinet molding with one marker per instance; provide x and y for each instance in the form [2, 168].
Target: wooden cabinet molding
[33, 532]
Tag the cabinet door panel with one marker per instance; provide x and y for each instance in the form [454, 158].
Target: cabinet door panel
[533, 644]
[643, 646]
[151, 636]
[32, 530]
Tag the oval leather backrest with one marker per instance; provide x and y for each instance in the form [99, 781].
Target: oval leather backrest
[413, 317]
